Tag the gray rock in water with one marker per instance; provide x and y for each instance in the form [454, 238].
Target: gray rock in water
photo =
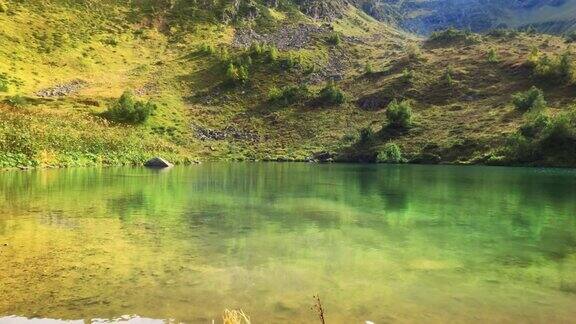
[158, 163]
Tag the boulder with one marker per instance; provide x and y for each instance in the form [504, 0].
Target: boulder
[158, 163]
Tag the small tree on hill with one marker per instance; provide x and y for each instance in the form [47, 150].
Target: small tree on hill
[399, 114]
[529, 100]
[129, 110]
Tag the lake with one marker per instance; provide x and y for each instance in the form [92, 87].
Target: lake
[387, 244]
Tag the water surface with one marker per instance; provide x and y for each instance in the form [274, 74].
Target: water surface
[389, 244]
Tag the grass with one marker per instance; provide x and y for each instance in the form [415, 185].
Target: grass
[179, 68]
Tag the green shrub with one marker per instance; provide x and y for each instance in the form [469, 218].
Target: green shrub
[290, 61]
[368, 69]
[532, 99]
[3, 6]
[129, 110]
[408, 75]
[289, 94]
[257, 50]
[452, 35]
[334, 39]
[493, 56]
[206, 48]
[558, 69]
[366, 137]
[399, 114]
[331, 95]
[448, 80]
[390, 154]
[272, 53]
[16, 101]
[237, 74]
[546, 140]
[503, 32]
[4, 82]
[536, 124]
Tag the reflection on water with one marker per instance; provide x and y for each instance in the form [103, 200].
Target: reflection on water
[378, 243]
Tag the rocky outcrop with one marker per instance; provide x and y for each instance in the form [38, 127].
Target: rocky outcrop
[207, 134]
[63, 89]
[327, 10]
[158, 163]
[288, 38]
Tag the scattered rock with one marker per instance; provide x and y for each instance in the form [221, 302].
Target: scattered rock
[63, 89]
[207, 134]
[289, 38]
[158, 163]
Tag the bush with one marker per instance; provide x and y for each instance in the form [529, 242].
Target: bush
[399, 114]
[289, 94]
[272, 53]
[368, 69]
[129, 110]
[4, 82]
[334, 39]
[237, 74]
[448, 77]
[452, 35]
[366, 137]
[408, 75]
[502, 32]
[16, 101]
[331, 95]
[558, 69]
[532, 99]
[545, 140]
[493, 56]
[290, 61]
[390, 154]
[3, 6]
[207, 49]
[535, 126]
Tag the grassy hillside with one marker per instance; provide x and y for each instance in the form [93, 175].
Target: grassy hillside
[264, 81]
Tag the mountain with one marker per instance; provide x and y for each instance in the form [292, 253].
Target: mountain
[553, 16]
[113, 82]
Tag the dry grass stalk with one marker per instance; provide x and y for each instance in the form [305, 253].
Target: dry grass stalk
[235, 317]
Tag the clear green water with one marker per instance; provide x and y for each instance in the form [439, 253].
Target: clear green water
[381, 243]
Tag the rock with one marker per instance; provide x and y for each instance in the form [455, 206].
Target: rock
[63, 89]
[158, 163]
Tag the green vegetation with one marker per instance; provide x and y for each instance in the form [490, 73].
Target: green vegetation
[129, 110]
[289, 94]
[3, 82]
[493, 57]
[223, 91]
[331, 95]
[408, 75]
[237, 74]
[334, 39]
[368, 69]
[545, 140]
[557, 69]
[16, 101]
[399, 114]
[452, 35]
[530, 100]
[391, 153]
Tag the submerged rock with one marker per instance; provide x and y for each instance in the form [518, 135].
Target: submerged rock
[158, 163]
